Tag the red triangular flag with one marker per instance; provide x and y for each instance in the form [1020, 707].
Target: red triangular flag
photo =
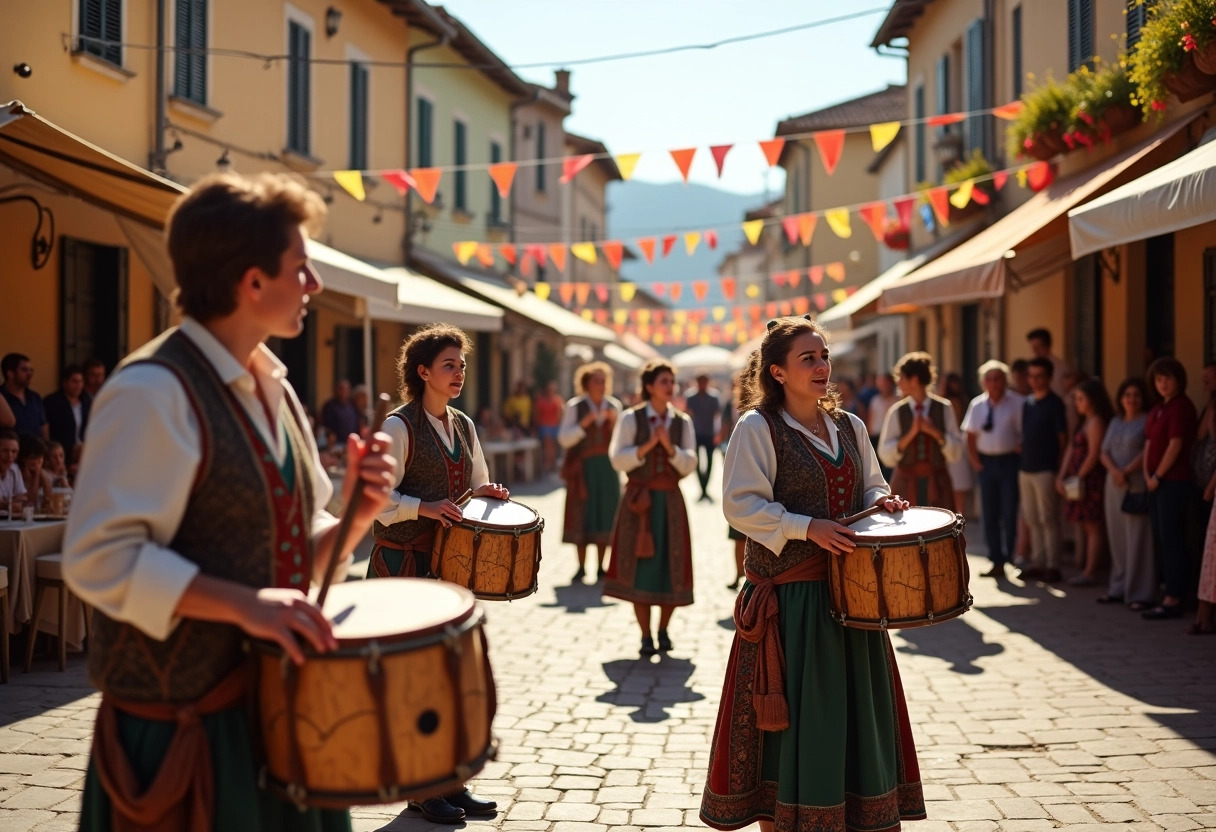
[794, 275]
[659, 289]
[821, 301]
[719, 151]
[400, 180]
[831, 145]
[426, 182]
[646, 244]
[945, 119]
[1039, 176]
[790, 224]
[537, 252]
[815, 273]
[683, 159]
[700, 288]
[999, 179]
[507, 250]
[779, 278]
[614, 252]
[557, 253]
[772, 150]
[668, 242]
[571, 165]
[875, 216]
[903, 210]
[979, 196]
[711, 239]
[728, 288]
[601, 294]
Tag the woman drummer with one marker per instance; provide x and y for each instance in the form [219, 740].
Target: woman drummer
[593, 486]
[651, 564]
[438, 459]
[813, 731]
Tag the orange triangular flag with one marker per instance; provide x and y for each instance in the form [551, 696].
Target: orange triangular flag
[426, 182]
[582, 291]
[875, 215]
[503, 175]
[571, 165]
[668, 241]
[676, 289]
[690, 241]
[508, 252]
[683, 159]
[815, 273]
[945, 119]
[719, 151]
[557, 253]
[939, 198]
[485, 255]
[772, 150]
[614, 252]
[728, 288]
[830, 144]
[835, 271]
[700, 288]
[1009, 111]
[794, 275]
[646, 244]
[801, 304]
[806, 227]
[566, 292]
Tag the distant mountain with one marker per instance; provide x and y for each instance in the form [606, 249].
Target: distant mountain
[645, 209]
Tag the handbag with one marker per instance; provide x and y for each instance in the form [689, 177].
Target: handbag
[1135, 502]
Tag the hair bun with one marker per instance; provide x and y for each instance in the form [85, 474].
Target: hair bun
[772, 323]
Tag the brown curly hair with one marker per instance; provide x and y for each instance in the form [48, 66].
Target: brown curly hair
[918, 365]
[583, 373]
[420, 350]
[653, 369]
[758, 390]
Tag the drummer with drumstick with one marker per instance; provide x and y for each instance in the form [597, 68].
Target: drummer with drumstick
[199, 521]
[439, 459]
[813, 731]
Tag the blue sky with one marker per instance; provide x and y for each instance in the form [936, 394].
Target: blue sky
[732, 94]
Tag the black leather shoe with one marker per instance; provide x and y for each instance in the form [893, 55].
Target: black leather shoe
[648, 648]
[471, 804]
[578, 576]
[599, 574]
[438, 810]
[664, 642]
[1162, 611]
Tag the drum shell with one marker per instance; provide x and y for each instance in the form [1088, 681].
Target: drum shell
[902, 581]
[426, 699]
[495, 563]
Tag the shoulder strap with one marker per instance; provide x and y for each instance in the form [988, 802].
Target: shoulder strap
[772, 427]
[409, 432]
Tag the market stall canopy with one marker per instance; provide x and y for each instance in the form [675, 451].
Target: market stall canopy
[1179, 195]
[704, 358]
[1025, 242]
[423, 300]
[622, 357]
[840, 316]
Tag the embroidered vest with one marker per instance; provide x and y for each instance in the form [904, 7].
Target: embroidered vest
[656, 465]
[430, 471]
[596, 437]
[924, 448]
[801, 486]
[236, 526]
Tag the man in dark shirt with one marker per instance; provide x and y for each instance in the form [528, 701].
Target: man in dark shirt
[1044, 438]
[67, 412]
[339, 416]
[25, 403]
[705, 408]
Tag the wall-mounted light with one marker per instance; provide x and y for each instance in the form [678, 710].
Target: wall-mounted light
[23, 70]
[223, 164]
[333, 19]
[379, 218]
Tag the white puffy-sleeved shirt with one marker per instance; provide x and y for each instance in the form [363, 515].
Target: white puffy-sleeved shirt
[403, 507]
[888, 440]
[570, 433]
[623, 449]
[136, 476]
[751, 469]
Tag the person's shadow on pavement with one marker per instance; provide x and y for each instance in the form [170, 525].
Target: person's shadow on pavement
[954, 641]
[578, 597]
[650, 685]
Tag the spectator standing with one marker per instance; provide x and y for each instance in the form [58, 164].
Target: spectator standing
[883, 399]
[12, 485]
[1170, 433]
[1019, 377]
[1044, 439]
[1132, 577]
[94, 377]
[67, 412]
[360, 398]
[548, 412]
[29, 415]
[993, 425]
[962, 476]
[517, 409]
[705, 407]
[1204, 624]
[339, 417]
[1084, 462]
[1203, 456]
[1040, 344]
[920, 437]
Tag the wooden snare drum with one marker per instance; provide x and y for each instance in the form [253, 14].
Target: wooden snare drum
[402, 709]
[909, 570]
[494, 550]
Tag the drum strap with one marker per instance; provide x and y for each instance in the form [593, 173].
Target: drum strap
[756, 615]
[182, 796]
[388, 760]
[291, 688]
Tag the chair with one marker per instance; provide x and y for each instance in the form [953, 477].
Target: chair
[4, 624]
[48, 574]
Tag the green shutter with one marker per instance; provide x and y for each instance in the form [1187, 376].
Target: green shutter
[425, 113]
[358, 116]
[495, 197]
[102, 19]
[299, 107]
[540, 154]
[460, 152]
[1080, 33]
[977, 125]
[190, 60]
[1016, 34]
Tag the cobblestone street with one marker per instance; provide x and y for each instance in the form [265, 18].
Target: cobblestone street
[1037, 710]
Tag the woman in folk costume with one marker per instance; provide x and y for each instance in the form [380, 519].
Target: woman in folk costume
[438, 458]
[651, 564]
[812, 730]
[920, 436]
[593, 486]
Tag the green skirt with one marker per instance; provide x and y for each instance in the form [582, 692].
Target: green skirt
[590, 520]
[240, 806]
[653, 575]
[847, 759]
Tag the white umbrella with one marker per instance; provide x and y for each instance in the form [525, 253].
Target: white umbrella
[704, 358]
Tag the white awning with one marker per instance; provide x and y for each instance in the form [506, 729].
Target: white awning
[1181, 194]
[623, 357]
[350, 275]
[423, 300]
[839, 317]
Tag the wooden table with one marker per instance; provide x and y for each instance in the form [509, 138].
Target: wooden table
[505, 451]
[20, 546]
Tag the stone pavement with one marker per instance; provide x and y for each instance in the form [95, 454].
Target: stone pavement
[1039, 709]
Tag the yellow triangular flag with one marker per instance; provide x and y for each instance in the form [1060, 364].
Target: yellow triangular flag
[752, 229]
[584, 252]
[719, 313]
[1023, 177]
[620, 316]
[704, 337]
[679, 316]
[962, 196]
[587, 314]
[752, 291]
[542, 290]
[627, 291]
[351, 182]
[883, 134]
[626, 162]
[838, 295]
[643, 316]
[838, 221]
[690, 241]
[465, 251]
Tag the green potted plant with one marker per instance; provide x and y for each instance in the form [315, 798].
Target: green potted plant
[1178, 36]
[1038, 131]
[974, 167]
[1105, 107]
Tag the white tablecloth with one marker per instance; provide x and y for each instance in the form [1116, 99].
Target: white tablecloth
[20, 546]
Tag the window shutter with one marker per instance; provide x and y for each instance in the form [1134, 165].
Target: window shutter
[977, 126]
[943, 84]
[1016, 35]
[190, 62]
[358, 116]
[102, 19]
[918, 112]
[495, 197]
[112, 31]
[1087, 314]
[1137, 16]
[540, 154]
[1080, 33]
[424, 133]
[298, 106]
[460, 182]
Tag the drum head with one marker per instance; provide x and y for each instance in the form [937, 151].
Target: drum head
[390, 608]
[506, 514]
[910, 522]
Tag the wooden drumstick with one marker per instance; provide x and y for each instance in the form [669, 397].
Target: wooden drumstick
[853, 518]
[348, 518]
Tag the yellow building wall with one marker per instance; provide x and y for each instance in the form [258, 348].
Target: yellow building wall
[1041, 304]
[1189, 246]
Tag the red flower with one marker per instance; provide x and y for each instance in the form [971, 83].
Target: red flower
[1158, 106]
[1086, 117]
[1188, 43]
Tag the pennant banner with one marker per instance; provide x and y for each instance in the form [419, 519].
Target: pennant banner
[806, 227]
[875, 216]
[719, 152]
[835, 271]
[646, 244]
[464, 251]
[691, 239]
[571, 165]
[625, 163]
[830, 144]
[683, 159]
[883, 134]
[838, 221]
[557, 253]
[962, 196]
[351, 182]
[584, 252]
[772, 150]
[503, 175]
[628, 290]
[400, 180]
[426, 182]
[542, 290]
[614, 252]
[939, 200]
[752, 229]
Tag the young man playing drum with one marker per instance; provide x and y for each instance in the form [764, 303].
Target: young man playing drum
[439, 458]
[198, 521]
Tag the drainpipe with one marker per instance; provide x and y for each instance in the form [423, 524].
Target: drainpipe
[446, 33]
[159, 156]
